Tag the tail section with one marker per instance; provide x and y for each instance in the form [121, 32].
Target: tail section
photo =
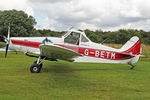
[132, 47]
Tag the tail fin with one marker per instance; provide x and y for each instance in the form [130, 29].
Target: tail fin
[132, 47]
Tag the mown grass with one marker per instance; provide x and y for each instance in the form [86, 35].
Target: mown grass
[72, 81]
[2, 44]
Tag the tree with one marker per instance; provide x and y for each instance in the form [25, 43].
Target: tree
[48, 32]
[93, 36]
[20, 23]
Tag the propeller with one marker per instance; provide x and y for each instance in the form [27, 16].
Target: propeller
[7, 45]
[7, 41]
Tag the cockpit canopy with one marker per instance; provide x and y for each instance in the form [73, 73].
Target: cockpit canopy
[75, 37]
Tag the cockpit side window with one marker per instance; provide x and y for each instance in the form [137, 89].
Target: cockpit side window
[73, 38]
[84, 39]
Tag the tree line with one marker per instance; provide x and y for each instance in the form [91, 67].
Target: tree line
[23, 25]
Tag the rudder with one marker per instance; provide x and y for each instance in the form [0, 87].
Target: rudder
[132, 46]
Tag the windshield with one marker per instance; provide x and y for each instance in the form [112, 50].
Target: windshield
[84, 39]
[73, 38]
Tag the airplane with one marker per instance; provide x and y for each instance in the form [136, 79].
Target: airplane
[73, 46]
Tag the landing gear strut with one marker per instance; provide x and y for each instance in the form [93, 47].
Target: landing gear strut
[36, 66]
[132, 66]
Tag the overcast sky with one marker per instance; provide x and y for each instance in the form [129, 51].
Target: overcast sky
[85, 14]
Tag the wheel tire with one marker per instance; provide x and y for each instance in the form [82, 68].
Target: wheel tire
[35, 68]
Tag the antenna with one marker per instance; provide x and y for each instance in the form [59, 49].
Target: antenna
[104, 40]
[71, 27]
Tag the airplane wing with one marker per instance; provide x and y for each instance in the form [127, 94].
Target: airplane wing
[57, 52]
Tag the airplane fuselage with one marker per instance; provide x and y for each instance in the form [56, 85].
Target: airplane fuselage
[73, 46]
[92, 52]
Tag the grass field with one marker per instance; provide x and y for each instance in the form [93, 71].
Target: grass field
[2, 44]
[72, 81]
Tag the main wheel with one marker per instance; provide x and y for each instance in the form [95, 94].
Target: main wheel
[35, 68]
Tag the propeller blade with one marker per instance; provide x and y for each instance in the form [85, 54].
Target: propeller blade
[6, 50]
[7, 41]
[8, 35]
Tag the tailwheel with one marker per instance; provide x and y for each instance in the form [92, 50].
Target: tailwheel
[132, 66]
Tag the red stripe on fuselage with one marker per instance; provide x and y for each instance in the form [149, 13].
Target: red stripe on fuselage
[26, 43]
[84, 51]
[103, 54]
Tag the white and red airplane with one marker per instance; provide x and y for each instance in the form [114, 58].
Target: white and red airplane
[74, 46]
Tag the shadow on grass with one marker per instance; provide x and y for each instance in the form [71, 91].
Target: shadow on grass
[63, 76]
[66, 75]
[67, 68]
[57, 68]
